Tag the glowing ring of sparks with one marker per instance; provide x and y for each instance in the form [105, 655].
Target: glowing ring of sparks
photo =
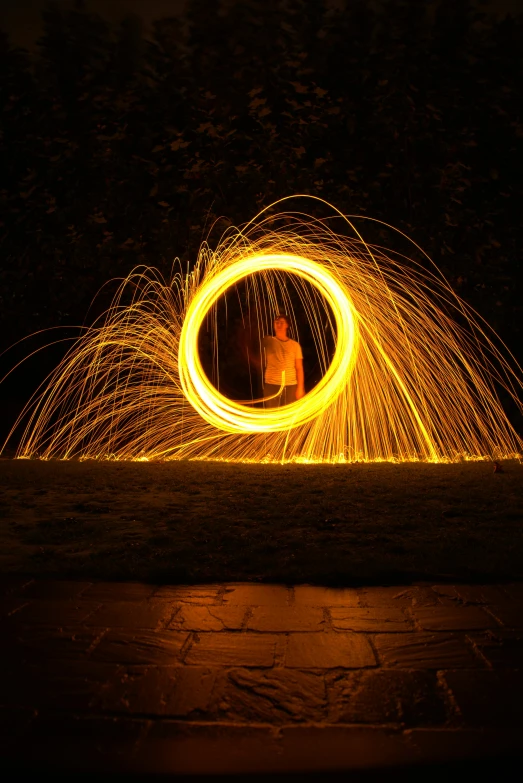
[230, 416]
[408, 380]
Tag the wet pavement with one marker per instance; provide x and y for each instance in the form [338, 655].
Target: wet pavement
[244, 678]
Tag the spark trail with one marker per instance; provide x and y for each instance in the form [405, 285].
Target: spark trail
[414, 374]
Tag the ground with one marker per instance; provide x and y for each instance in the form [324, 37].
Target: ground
[193, 522]
[244, 679]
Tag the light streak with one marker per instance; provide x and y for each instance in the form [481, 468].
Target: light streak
[413, 376]
[230, 416]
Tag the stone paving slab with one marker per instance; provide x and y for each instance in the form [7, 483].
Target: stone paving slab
[488, 698]
[194, 689]
[140, 647]
[54, 590]
[10, 605]
[474, 594]
[66, 612]
[452, 618]
[257, 595]
[230, 649]
[510, 615]
[136, 690]
[284, 619]
[28, 645]
[131, 614]
[209, 618]
[514, 590]
[104, 592]
[425, 651]
[272, 696]
[201, 595]
[325, 596]
[502, 649]
[12, 584]
[402, 698]
[391, 618]
[72, 688]
[329, 651]
[417, 595]
[252, 678]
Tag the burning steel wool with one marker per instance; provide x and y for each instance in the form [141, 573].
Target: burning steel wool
[412, 374]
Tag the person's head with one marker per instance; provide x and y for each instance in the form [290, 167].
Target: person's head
[281, 325]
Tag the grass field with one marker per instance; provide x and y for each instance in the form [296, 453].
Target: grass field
[206, 522]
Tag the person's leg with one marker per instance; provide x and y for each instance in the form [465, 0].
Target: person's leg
[269, 390]
[289, 394]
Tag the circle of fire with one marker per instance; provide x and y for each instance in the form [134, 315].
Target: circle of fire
[230, 416]
[415, 374]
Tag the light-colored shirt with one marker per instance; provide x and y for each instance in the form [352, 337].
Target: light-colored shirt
[280, 356]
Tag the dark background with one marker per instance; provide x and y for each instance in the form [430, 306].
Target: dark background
[121, 143]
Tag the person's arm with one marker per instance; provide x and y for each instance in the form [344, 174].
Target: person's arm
[300, 391]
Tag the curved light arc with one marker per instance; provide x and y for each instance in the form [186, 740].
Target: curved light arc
[230, 416]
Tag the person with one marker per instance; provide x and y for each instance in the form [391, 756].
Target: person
[282, 361]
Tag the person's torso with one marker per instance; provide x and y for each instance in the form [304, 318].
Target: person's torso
[280, 356]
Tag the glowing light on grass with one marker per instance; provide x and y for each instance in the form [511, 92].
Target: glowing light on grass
[413, 374]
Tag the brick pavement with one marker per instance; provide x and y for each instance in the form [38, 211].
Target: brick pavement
[245, 678]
